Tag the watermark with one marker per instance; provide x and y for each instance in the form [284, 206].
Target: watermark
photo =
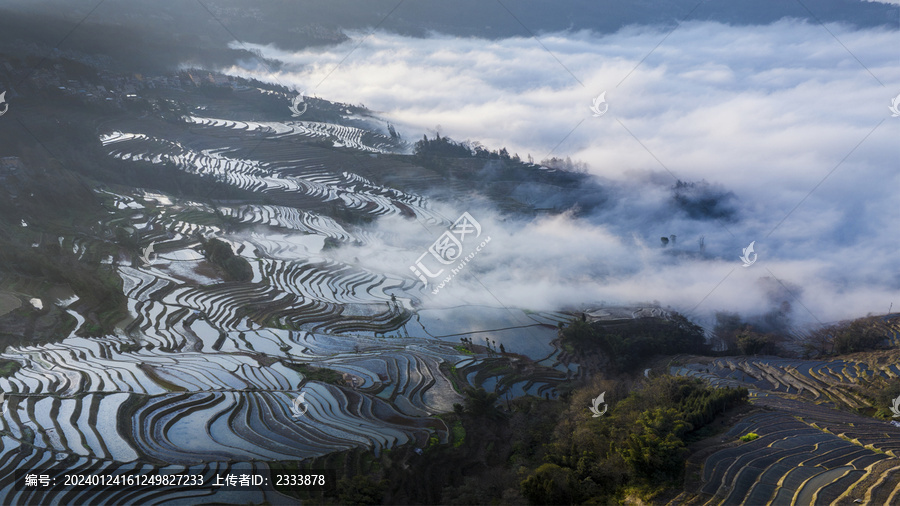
[448, 249]
[298, 406]
[295, 106]
[894, 108]
[896, 407]
[595, 406]
[3, 103]
[600, 106]
[145, 257]
[746, 256]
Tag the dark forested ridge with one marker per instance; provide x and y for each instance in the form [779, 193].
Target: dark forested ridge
[198, 34]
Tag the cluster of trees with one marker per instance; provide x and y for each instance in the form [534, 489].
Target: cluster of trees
[882, 393]
[220, 254]
[313, 373]
[344, 214]
[628, 344]
[480, 404]
[360, 489]
[845, 337]
[444, 147]
[761, 337]
[738, 336]
[530, 450]
[8, 367]
[702, 201]
[572, 189]
[97, 286]
[490, 344]
[750, 342]
[639, 445]
[441, 147]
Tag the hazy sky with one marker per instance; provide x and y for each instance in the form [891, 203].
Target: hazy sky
[781, 115]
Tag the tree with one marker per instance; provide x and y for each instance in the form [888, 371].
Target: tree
[818, 342]
[844, 337]
[361, 490]
[657, 452]
[441, 147]
[481, 403]
[754, 343]
[627, 345]
[549, 484]
[855, 336]
[220, 253]
[393, 132]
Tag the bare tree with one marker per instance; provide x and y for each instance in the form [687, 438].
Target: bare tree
[819, 341]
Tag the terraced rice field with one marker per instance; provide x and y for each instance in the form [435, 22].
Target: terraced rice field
[203, 375]
[303, 179]
[810, 457]
[834, 382]
[812, 449]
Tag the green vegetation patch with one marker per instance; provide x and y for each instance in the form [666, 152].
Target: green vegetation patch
[321, 374]
[156, 378]
[458, 434]
[8, 367]
[637, 449]
[629, 343]
[130, 348]
[750, 436]
[463, 350]
[8, 303]
[222, 256]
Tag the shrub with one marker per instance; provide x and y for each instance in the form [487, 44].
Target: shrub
[857, 336]
[628, 344]
[482, 404]
[360, 490]
[220, 254]
[550, 484]
[639, 446]
[657, 452]
[754, 343]
[8, 367]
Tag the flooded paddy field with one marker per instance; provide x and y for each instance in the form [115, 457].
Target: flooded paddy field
[205, 373]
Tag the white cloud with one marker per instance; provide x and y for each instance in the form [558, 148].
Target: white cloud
[764, 111]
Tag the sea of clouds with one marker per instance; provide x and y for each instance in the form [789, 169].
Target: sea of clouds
[792, 118]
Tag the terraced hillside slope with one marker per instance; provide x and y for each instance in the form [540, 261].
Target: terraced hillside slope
[817, 441]
[191, 371]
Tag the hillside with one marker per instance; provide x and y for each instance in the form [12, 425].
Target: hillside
[184, 260]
